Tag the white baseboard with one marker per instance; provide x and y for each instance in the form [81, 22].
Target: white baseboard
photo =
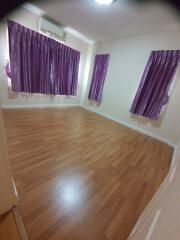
[19, 223]
[153, 224]
[150, 134]
[39, 106]
[174, 157]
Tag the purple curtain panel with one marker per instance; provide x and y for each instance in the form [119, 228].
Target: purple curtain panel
[158, 75]
[99, 74]
[40, 64]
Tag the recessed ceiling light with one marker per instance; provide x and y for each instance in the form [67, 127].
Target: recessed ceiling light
[105, 2]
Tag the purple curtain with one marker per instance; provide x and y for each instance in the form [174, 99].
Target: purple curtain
[98, 77]
[152, 92]
[40, 64]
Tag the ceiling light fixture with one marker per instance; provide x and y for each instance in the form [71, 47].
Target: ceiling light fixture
[104, 2]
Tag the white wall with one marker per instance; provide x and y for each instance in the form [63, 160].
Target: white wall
[9, 98]
[8, 198]
[128, 58]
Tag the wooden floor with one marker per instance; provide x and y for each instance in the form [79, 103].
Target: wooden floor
[8, 228]
[81, 176]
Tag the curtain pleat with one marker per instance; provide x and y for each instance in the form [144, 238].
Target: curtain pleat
[40, 64]
[99, 74]
[158, 75]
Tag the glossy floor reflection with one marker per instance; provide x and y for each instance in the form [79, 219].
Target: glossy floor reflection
[71, 193]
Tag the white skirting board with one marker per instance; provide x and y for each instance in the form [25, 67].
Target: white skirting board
[39, 106]
[153, 225]
[19, 223]
[150, 134]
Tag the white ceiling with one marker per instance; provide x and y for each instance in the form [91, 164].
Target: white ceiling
[101, 23]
